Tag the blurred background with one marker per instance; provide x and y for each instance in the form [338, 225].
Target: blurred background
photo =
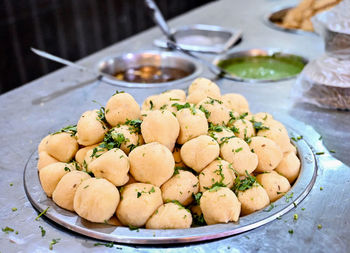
[70, 29]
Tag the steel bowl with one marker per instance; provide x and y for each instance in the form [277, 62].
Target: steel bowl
[272, 19]
[254, 52]
[203, 38]
[114, 64]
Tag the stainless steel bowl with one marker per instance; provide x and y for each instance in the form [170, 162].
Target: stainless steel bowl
[114, 64]
[254, 52]
[276, 16]
[203, 38]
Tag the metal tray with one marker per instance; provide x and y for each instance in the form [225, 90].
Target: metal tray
[203, 38]
[277, 15]
[73, 222]
[254, 52]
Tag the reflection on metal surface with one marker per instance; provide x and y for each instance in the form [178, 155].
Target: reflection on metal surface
[115, 64]
[73, 222]
[273, 19]
[255, 52]
[203, 38]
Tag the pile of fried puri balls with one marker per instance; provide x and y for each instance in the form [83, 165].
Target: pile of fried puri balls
[176, 162]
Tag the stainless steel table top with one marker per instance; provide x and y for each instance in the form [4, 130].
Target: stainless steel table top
[42, 106]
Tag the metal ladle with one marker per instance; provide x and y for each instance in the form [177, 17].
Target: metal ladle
[158, 18]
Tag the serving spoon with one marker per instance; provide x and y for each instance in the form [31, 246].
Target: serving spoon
[158, 18]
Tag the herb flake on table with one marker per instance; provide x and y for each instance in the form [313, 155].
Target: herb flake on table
[14, 209]
[320, 153]
[108, 245]
[291, 231]
[42, 213]
[53, 242]
[7, 229]
[319, 226]
[295, 217]
[43, 231]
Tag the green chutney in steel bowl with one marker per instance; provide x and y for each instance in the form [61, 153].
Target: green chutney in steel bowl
[264, 67]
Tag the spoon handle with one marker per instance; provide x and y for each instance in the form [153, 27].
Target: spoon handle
[159, 19]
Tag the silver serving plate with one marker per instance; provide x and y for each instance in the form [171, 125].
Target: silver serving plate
[254, 52]
[73, 222]
[203, 38]
[277, 15]
[113, 64]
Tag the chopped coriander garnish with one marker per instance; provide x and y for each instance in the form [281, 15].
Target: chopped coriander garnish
[197, 197]
[270, 208]
[320, 138]
[212, 100]
[118, 92]
[14, 209]
[131, 227]
[198, 220]
[149, 192]
[108, 245]
[135, 125]
[53, 242]
[295, 217]
[151, 104]
[66, 168]
[232, 118]
[101, 116]
[86, 186]
[7, 229]
[71, 129]
[319, 226]
[43, 232]
[332, 151]
[180, 107]
[290, 231]
[42, 213]
[303, 209]
[320, 153]
[289, 197]
[206, 112]
[259, 126]
[238, 150]
[245, 184]
[215, 128]
[225, 139]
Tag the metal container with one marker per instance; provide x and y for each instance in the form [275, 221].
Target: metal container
[114, 64]
[254, 52]
[276, 16]
[203, 38]
[73, 222]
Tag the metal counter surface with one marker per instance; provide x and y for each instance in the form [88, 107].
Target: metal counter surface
[30, 112]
